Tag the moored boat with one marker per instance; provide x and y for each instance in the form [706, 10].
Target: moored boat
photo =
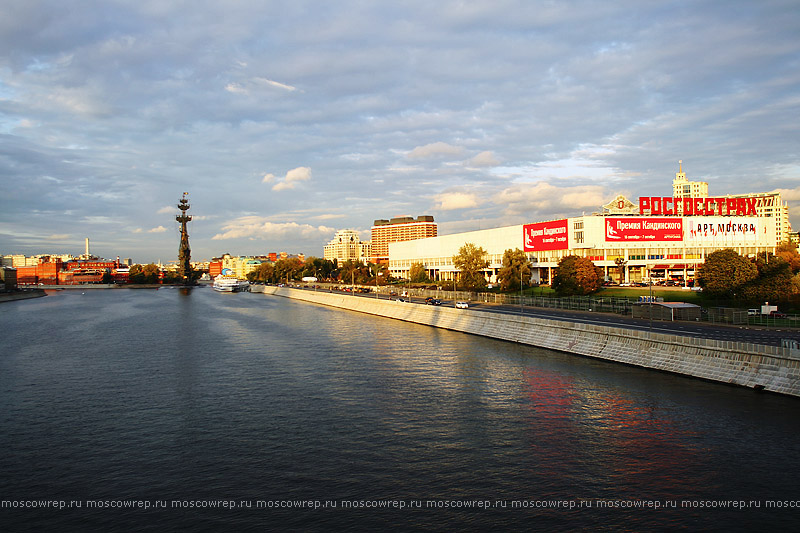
[224, 283]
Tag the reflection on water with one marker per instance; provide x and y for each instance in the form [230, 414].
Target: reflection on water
[196, 394]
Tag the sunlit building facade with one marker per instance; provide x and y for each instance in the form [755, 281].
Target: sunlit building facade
[400, 229]
[347, 245]
[663, 238]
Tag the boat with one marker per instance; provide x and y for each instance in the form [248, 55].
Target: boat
[226, 283]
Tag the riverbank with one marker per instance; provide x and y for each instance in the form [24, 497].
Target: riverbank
[21, 295]
[769, 368]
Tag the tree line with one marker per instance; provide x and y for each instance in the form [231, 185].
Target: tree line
[769, 277]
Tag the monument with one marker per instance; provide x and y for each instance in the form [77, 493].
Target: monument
[184, 252]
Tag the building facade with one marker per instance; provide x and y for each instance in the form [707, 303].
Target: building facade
[347, 245]
[660, 238]
[400, 229]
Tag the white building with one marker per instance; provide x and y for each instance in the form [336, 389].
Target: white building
[347, 245]
[665, 238]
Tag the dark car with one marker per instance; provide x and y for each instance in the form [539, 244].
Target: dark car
[433, 301]
[777, 314]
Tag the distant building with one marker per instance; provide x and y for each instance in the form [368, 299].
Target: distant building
[347, 245]
[683, 188]
[399, 229]
[8, 278]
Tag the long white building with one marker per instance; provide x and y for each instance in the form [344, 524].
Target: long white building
[660, 238]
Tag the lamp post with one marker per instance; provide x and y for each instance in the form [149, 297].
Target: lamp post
[650, 303]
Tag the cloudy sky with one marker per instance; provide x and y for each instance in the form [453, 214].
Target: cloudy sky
[286, 121]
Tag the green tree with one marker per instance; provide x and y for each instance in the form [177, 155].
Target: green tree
[788, 252]
[577, 276]
[774, 282]
[290, 269]
[516, 270]
[318, 267]
[418, 274]
[143, 274]
[470, 262]
[725, 272]
[350, 271]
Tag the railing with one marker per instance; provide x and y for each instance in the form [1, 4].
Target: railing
[594, 304]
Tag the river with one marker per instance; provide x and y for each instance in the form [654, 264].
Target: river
[171, 409]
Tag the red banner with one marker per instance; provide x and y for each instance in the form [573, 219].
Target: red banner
[545, 236]
[629, 229]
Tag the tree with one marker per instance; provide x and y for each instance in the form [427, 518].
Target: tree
[577, 276]
[265, 272]
[516, 270]
[287, 269]
[418, 274]
[725, 272]
[774, 281]
[318, 267]
[470, 261]
[350, 271]
[788, 252]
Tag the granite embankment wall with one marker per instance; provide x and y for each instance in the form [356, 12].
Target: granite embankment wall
[772, 368]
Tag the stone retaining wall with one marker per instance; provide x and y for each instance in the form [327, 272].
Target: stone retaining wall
[770, 368]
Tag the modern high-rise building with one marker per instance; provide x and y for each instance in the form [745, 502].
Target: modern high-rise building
[399, 229]
[347, 245]
[683, 188]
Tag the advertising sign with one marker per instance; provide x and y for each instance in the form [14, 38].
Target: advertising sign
[722, 230]
[545, 236]
[634, 229]
[657, 205]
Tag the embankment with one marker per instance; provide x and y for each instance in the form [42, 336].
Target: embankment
[770, 368]
[21, 295]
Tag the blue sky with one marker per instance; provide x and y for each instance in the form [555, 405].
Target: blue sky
[287, 121]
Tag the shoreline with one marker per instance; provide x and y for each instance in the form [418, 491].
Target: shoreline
[757, 367]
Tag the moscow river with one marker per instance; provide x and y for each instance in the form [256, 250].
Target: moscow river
[170, 409]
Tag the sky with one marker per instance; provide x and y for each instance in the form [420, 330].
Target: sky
[288, 121]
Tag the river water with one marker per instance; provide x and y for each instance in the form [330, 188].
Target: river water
[168, 409]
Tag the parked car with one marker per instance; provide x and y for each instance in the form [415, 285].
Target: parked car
[777, 314]
[462, 305]
[753, 312]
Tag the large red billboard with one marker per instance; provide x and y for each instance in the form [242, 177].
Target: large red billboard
[545, 236]
[630, 229]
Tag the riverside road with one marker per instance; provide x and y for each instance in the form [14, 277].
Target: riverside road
[748, 334]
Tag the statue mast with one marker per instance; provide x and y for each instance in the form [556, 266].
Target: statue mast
[184, 252]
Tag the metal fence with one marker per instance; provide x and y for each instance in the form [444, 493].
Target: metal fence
[594, 304]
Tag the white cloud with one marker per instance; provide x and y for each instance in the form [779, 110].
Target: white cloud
[483, 159]
[235, 88]
[543, 199]
[456, 200]
[790, 195]
[159, 229]
[288, 182]
[437, 149]
[166, 209]
[277, 84]
[254, 227]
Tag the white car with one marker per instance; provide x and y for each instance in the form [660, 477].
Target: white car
[462, 305]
